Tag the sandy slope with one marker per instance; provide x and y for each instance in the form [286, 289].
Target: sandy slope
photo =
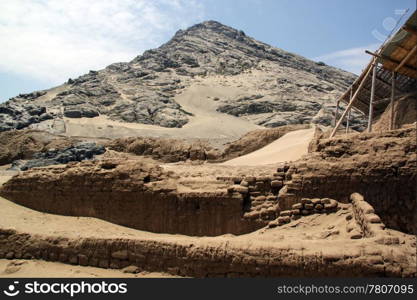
[197, 99]
[290, 147]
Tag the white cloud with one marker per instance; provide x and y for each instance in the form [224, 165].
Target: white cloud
[352, 59]
[53, 40]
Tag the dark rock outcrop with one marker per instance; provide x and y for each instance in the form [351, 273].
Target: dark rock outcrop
[78, 152]
[21, 114]
[24, 144]
[166, 150]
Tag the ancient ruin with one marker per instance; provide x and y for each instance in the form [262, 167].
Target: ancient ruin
[206, 177]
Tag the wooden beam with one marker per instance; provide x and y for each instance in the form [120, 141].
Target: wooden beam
[414, 49]
[371, 101]
[391, 124]
[336, 112]
[410, 29]
[348, 107]
[348, 116]
[357, 79]
[396, 62]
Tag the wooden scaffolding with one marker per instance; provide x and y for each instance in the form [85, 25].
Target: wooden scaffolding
[392, 71]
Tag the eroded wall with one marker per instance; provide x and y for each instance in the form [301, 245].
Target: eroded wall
[130, 194]
[380, 166]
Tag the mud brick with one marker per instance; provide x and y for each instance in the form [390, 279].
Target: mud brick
[83, 260]
[103, 263]
[295, 212]
[73, 260]
[260, 198]
[244, 183]
[276, 184]
[285, 213]
[53, 256]
[63, 257]
[250, 179]
[297, 206]
[260, 185]
[316, 201]
[305, 200]
[372, 218]
[284, 220]
[318, 206]
[263, 179]
[273, 224]
[271, 198]
[305, 212]
[355, 234]
[331, 205]
[240, 189]
[308, 206]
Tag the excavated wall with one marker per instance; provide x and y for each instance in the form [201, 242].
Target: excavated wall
[214, 260]
[130, 194]
[380, 166]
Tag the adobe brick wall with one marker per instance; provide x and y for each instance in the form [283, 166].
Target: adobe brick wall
[214, 260]
[379, 166]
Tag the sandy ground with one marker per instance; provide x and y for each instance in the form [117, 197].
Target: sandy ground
[290, 147]
[36, 268]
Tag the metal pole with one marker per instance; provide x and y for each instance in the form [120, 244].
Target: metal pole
[348, 115]
[391, 124]
[371, 106]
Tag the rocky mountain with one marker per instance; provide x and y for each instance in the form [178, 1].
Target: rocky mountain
[249, 80]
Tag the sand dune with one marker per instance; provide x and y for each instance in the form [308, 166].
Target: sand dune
[290, 147]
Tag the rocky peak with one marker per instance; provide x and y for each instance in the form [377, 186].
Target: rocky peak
[293, 89]
[216, 27]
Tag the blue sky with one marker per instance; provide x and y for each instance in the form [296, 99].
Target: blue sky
[45, 42]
